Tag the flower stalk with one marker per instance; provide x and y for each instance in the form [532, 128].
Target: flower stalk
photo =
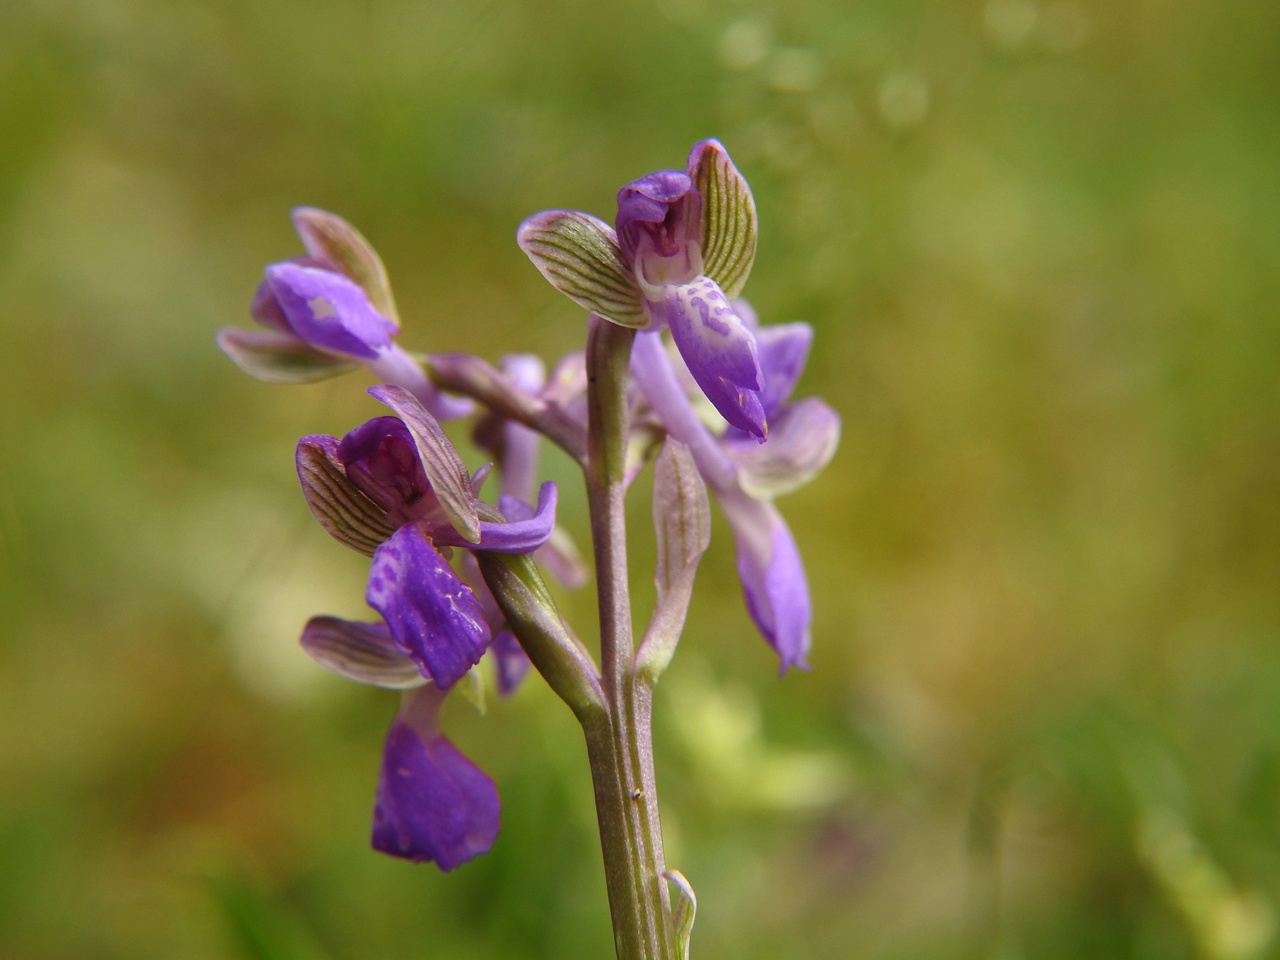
[620, 743]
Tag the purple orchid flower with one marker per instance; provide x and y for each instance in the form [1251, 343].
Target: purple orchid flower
[513, 445]
[395, 488]
[683, 247]
[327, 312]
[406, 468]
[746, 476]
[432, 803]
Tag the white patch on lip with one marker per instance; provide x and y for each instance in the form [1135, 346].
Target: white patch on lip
[321, 309]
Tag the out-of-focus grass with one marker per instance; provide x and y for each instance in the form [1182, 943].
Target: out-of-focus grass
[1038, 243]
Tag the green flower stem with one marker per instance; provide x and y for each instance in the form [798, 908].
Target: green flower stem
[619, 741]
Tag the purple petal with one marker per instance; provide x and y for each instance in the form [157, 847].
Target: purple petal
[720, 352]
[783, 349]
[773, 577]
[514, 445]
[528, 530]
[802, 440]
[381, 460]
[266, 309]
[433, 616]
[659, 223]
[363, 652]
[526, 370]
[432, 802]
[515, 510]
[329, 311]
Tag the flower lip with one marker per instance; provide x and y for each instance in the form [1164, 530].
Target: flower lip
[720, 352]
[434, 618]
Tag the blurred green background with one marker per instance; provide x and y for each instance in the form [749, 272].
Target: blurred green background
[1038, 240]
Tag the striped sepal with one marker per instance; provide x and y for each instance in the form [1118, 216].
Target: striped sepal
[728, 217]
[279, 357]
[579, 255]
[363, 652]
[330, 239]
[350, 517]
[450, 481]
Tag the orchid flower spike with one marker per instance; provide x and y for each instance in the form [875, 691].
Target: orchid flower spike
[327, 312]
[682, 249]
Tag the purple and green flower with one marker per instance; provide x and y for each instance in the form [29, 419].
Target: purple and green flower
[394, 488]
[681, 248]
[326, 313]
